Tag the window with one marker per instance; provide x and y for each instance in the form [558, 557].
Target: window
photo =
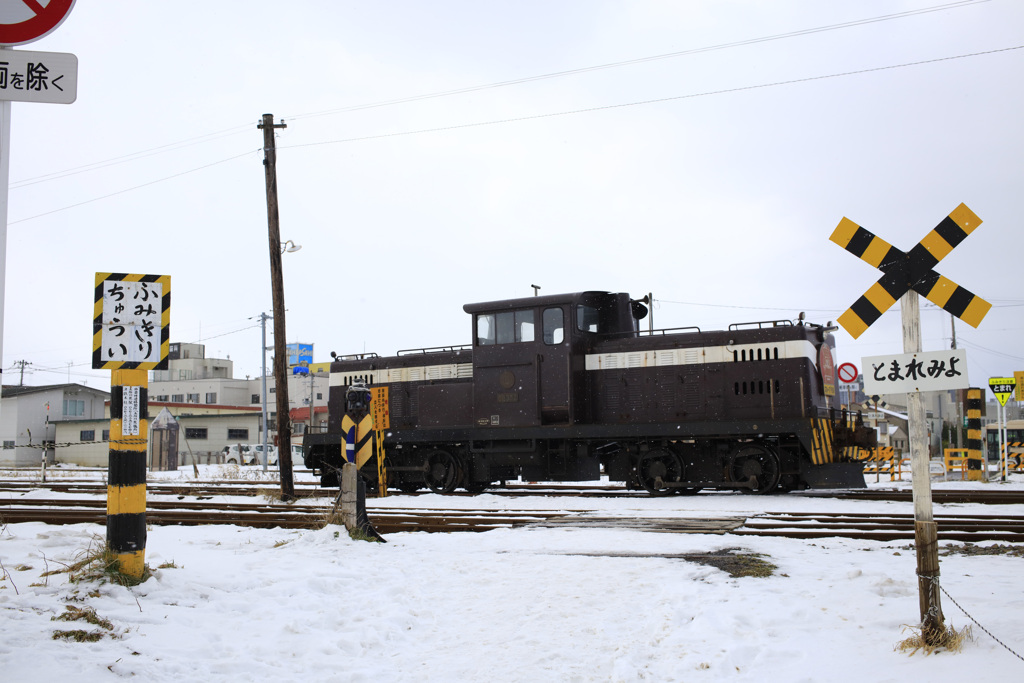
[319, 396]
[242, 434]
[87, 435]
[106, 435]
[255, 399]
[554, 332]
[177, 398]
[162, 398]
[74, 407]
[587, 318]
[193, 398]
[504, 328]
[8, 444]
[195, 432]
[211, 397]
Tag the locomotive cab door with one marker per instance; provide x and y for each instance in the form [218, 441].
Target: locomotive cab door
[506, 382]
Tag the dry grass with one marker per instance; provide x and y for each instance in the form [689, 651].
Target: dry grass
[99, 563]
[950, 640]
[88, 615]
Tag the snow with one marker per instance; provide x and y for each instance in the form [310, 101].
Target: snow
[523, 604]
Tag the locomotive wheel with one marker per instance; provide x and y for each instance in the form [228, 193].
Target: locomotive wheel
[656, 468]
[477, 486]
[441, 472]
[406, 487]
[760, 463]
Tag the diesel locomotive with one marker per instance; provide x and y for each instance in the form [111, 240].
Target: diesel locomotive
[568, 387]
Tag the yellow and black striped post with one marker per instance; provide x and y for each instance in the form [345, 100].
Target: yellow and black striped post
[126, 474]
[977, 462]
[131, 336]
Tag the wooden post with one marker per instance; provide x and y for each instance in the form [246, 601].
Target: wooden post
[284, 421]
[126, 475]
[925, 530]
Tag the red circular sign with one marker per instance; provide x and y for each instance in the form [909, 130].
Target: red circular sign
[22, 21]
[847, 373]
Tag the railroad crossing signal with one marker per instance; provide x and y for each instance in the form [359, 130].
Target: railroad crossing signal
[906, 271]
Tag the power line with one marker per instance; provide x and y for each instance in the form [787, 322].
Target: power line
[133, 156]
[539, 116]
[640, 60]
[659, 100]
[752, 308]
[129, 189]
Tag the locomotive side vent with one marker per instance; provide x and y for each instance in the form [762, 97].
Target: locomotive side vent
[767, 353]
[756, 387]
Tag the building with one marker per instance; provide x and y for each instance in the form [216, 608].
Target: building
[29, 417]
[195, 380]
[204, 432]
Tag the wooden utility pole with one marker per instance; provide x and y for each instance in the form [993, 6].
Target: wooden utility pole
[926, 534]
[284, 422]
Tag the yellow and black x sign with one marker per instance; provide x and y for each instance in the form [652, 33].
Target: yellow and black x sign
[903, 272]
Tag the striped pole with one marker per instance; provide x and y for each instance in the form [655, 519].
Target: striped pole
[126, 474]
[977, 460]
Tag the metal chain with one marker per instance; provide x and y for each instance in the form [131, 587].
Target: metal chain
[935, 580]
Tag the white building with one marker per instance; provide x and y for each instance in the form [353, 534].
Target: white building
[29, 417]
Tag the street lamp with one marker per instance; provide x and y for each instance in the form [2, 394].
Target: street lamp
[290, 249]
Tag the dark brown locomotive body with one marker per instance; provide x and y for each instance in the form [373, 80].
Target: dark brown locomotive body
[557, 388]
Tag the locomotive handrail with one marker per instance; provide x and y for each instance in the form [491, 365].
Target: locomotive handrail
[651, 333]
[353, 356]
[761, 323]
[435, 349]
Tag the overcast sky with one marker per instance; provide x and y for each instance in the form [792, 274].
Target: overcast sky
[701, 150]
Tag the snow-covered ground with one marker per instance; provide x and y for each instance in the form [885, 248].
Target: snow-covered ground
[525, 604]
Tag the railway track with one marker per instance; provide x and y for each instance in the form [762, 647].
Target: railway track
[801, 525]
[250, 488]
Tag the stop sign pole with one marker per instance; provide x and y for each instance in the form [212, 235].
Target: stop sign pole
[20, 23]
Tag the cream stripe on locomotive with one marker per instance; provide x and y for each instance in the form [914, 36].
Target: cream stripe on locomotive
[414, 374]
[740, 353]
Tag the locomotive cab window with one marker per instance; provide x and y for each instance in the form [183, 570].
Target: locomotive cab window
[588, 319]
[504, 328]
[554, 326]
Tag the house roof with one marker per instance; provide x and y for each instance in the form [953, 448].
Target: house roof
[11, 390]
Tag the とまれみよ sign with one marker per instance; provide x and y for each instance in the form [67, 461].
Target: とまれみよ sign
[909, 372]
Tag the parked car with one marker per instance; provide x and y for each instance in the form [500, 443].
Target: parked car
[256, 450]
[237, 454]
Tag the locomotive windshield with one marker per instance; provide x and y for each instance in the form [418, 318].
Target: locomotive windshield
[504, 328]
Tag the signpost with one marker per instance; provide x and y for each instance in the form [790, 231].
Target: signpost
[904, 276]
[1003, 388]
[131, 335]
[28, 77]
